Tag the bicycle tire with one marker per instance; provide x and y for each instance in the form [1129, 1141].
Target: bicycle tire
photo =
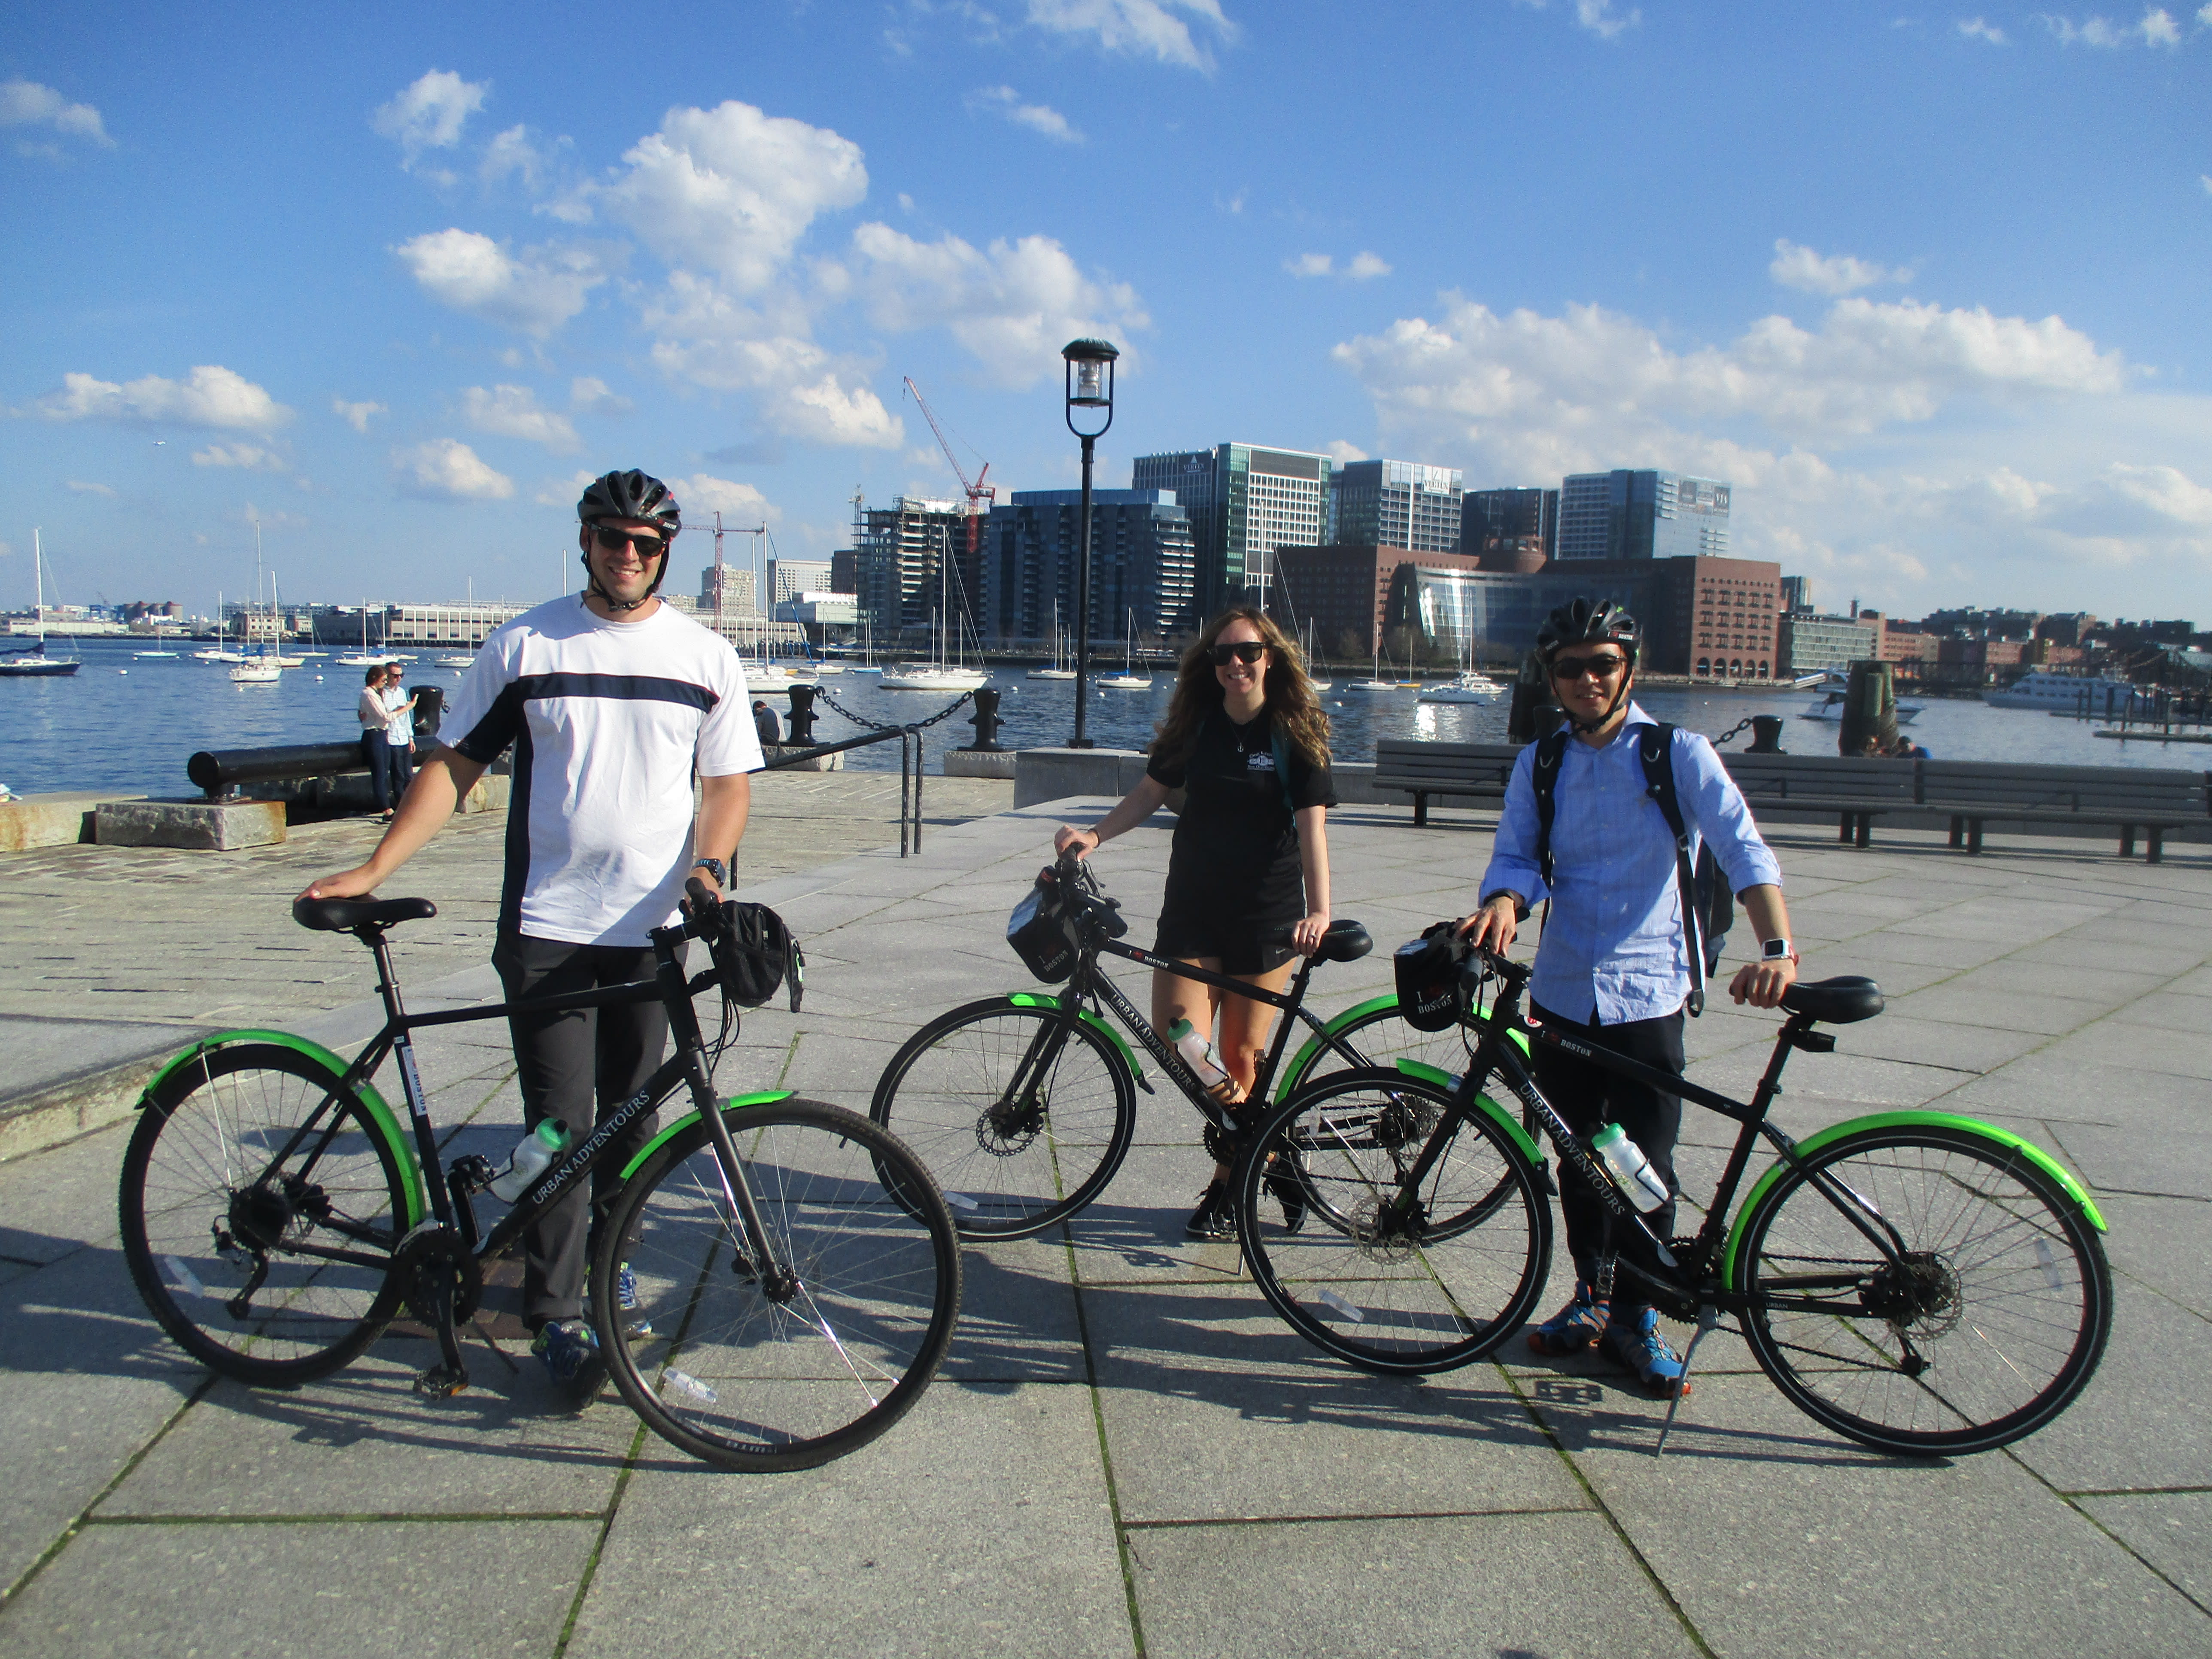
[1400, 1302]
[1383, 1038]
[1010, 1168]
[185, 1203]
[2012, 1300]
[730, 1375]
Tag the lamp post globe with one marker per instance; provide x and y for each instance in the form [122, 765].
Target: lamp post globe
[1090, 379]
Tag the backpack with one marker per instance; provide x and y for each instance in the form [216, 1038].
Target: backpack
[1708, 906]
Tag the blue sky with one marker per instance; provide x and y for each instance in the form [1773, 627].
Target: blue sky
[1928, 285]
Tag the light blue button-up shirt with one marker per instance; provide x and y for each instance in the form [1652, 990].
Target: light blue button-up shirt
[1613, 945]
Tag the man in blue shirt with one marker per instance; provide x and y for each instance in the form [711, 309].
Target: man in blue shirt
[1613, 965]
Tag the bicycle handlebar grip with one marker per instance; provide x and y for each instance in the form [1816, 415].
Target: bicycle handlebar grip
[705, 913]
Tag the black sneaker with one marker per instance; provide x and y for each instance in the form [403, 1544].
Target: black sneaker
[1215, 1217]
[1286, 1184]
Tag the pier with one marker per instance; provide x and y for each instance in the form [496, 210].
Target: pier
[1125, 1452]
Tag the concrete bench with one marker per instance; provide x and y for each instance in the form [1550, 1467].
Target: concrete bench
[1477, 770]
[1857, 789]
[2125, 797]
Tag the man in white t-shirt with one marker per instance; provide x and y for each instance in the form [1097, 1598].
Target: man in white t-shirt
[611, 701]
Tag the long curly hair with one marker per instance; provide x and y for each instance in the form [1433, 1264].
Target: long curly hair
[1289, 693]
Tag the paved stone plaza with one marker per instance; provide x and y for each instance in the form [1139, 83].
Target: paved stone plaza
[1125, 1452]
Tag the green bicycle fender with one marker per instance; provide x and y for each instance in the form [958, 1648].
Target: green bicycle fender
[1334, 1027]
[1490, 1109]
[692, 1117]
[1039, 999]
[1812, 1143]
[387, 1123]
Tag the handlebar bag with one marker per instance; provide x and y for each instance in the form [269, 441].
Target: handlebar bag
[1431, 991]
[1038, 934]
[760, 954]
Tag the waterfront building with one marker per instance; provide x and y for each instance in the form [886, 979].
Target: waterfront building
[750, 632]
[788, 578]
[845, 571]
[1244, 502]
[1340, 596]
[738, 595]
[1396, 504]
[1808, 644]
[1512, 530]
[1734, 615]
[1142, 563]
[1797, 594]
[1625, 514]
[468, 624]
[912, 563]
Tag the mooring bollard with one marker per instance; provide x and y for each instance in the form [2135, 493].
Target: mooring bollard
[1766, 735]
[986, 720]
[802, 716]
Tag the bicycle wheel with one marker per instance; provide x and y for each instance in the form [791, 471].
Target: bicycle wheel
[2004, 1293]
[1379, 1033]
[1392, 1290]
[754, 1378]
[1023, 1119]
[249, 1166]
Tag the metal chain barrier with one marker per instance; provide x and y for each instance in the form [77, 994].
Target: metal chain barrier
[1743, 725]
[822, 695]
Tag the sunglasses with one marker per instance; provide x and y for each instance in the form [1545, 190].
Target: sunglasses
[1573, 668]
[613, 541]
[1245, 651]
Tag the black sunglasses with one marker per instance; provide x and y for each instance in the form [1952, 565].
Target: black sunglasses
[610, 540]
[1573, 668]
[1242, 651]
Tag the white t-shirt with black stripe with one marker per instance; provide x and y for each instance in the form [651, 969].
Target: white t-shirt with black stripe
[608, 721]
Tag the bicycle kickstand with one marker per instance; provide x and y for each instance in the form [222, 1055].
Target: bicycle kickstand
[449, 1376]
[1709, 1319]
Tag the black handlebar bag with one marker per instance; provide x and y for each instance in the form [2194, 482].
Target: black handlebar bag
[758, 954]
[1039, 932]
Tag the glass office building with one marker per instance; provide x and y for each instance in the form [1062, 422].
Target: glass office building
[1141, 566]
[1396, 504]
[1242, 503]
[1625, 515]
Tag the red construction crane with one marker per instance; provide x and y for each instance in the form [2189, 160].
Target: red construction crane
[979, 495]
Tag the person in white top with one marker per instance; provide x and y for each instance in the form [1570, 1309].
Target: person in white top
[611, 701]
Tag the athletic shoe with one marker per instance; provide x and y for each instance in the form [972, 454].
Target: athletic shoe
[1575, 1327]
[1283, 1182]
[625, 1289]
[570, 1353]
[1215, 1217]
[1634, 1341]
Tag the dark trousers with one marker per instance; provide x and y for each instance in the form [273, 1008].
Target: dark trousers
[1587, 1098]
[377, 748]
[399, 757]
[578, 1067]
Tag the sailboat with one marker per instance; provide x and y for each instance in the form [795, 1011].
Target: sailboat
[938, 675]
[362, 658]
[1318, 683]
[264, 668]
[1469, 685]
[1128, 679]
[1377, 683]
[1059, 670]
[31, 662]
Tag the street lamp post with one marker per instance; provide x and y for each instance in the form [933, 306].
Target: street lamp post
[1089, 389]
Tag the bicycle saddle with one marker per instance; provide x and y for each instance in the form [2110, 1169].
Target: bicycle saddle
[1840, 1002]
[1345, 941]
[337, 915]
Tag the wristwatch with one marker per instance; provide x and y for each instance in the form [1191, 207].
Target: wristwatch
[1776, 949]
[712, 867]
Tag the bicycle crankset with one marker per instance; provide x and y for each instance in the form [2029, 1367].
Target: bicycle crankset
[434, 1268]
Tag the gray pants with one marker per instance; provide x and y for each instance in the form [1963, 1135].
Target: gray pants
[578, 1067]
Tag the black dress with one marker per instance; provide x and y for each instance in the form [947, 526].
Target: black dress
[1233, 871]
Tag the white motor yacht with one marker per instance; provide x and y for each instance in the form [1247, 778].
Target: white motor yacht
[1469, 687]
[2092, 694]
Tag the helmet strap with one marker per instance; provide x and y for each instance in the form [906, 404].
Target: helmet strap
[1588, 728]
[594, 589]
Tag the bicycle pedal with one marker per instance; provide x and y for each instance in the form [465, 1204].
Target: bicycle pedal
[441, 1382]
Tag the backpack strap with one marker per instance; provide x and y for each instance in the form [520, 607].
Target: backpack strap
[1655, 749]
[1544, 777]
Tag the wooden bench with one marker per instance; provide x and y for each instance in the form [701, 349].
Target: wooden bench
[2129, 798]
[1857, 789]
[1479, 771]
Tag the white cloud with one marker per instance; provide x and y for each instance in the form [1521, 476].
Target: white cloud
[2205, 179]
[589, 395]
[1598, 17]
[2158, 28]
[209, 396]
[1976, 29]
[1310, 265]
[357, 416]
[1037, 117]
[565, 492]
[731, 191]
[535, 293]
[2091, 32]
[1142, 29]
[517, 152]
[1012, 306]
[1346, 453]
[25, 103]
[702, 497]
[1834, 275]
[83, 487]
[512, 411]
[711, 340]
[445, 469]
[1364, 266]
[430, 114]
[251, 458]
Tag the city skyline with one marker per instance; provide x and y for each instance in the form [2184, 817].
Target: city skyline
[392, 289]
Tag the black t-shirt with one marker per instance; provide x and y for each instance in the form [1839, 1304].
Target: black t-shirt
[1236, 850]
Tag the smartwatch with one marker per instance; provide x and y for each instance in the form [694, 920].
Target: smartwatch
[712, 867]
[1776, 949]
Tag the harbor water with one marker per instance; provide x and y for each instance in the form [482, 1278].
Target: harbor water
[127, 723]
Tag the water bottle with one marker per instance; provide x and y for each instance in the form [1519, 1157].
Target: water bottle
[1198, 1053]
[533, 1154]
[1630, 1170]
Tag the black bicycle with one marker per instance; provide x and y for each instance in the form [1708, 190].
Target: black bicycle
[797, 1274]
[1916, 1280]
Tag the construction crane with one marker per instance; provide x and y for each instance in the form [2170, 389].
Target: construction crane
[979, 495]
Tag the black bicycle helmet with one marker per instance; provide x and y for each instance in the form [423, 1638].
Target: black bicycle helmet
[634, 495]
[1581, 622]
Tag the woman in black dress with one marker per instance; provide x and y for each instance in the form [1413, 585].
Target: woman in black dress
[1246, 737]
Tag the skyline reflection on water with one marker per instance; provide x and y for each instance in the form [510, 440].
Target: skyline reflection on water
[128, 725]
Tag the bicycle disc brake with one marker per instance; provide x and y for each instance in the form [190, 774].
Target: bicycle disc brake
[1008, 1129]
